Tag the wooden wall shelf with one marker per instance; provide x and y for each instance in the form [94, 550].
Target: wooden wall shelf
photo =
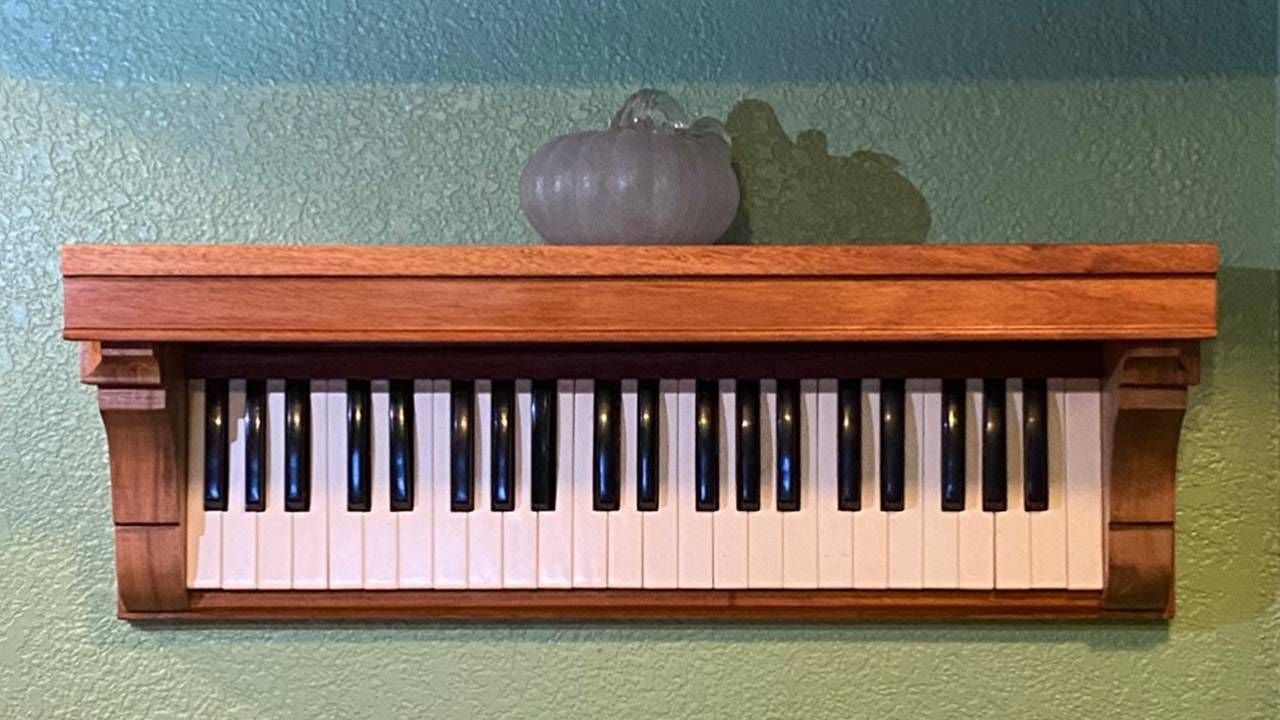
[148, 318]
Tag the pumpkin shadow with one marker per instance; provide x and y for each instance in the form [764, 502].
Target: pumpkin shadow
[794, 192]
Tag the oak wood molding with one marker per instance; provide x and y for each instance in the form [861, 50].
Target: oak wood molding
[717, 605]
[629, 310]
[636, 294]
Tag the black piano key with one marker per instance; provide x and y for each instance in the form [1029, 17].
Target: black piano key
[297, 446]
[849, 445]
[359, 472]
[1035, 444]
[400, 453]
[543, 423]
[648, 472]
[216, 466]
[788, 441]
[606, 478]
[462, 446]
[255, 446]
[995, 476]
[953, 445]
[892, 445]
[706, 445]
[748, 445]
[502, 413]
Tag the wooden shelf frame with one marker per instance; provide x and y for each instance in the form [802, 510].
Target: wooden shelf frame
[149, 317]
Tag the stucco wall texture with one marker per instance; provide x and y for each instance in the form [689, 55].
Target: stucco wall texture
[310, 122]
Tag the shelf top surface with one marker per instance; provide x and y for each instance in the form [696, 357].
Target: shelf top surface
[528, 261]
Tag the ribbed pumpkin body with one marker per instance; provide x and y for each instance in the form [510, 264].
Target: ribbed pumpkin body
[625, 186]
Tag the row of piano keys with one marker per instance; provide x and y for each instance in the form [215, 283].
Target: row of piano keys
[823, 540]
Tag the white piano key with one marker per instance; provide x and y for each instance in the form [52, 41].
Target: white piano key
[975, 528]
[275, 526]
[626, 527]
[381, 530]
[800, 527]
[311, 528]
[1084, 484]
[520, 525]
[835, 527]
[729, 524]
[415, 537]
[555, 528]
[346, 529]
[1013, 527]
[204, 529]
[661, 526]
[1049, 527]
[484, 529]
[239, 526]
[590, 528]
[906, 528]
[941, 529]
[764, 527]
[696, 534]
[449, 527]
[871, 524]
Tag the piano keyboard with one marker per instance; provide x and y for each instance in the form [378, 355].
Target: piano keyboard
[492, 484]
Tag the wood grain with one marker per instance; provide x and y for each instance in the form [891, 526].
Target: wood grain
[765, 605]
[1140, 570]
[151, 568]
[1143, 407]
[143, 408]
[651, 310]
[623, 261]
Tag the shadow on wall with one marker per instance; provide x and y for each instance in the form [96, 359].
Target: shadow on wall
[794, 192]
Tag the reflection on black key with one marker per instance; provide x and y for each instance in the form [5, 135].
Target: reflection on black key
[542, 422]
[706, 445]
[215, 445]
[788, 441]
[995, 483]
[462, 446]
[953, 445]
[647, 460]
[503, 433]
[1035, 443]
[255, 446]
[606, 479]
[400, 455]
[359, 472]
[748, 451]
[297, 446]
[892, 445]
[849, 445]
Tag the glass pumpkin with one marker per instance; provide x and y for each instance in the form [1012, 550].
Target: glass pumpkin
[652, 178]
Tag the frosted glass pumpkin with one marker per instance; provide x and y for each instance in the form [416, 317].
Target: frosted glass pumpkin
[651, 178]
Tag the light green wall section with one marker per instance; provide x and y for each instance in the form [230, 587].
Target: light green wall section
[997, 161]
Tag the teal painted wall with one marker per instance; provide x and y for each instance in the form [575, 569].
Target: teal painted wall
[309, 122]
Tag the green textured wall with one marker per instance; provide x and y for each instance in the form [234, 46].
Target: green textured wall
[329, 122]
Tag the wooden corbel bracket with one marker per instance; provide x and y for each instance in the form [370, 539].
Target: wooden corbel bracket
[1143, 406]
[141, 399]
